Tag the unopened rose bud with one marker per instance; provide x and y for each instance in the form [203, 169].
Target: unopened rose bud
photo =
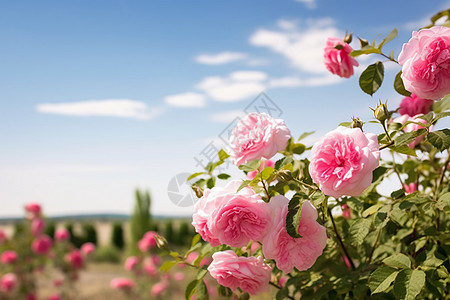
[356, 123]
[161, 242]
[197, 190]
[348, 38]
[381, 112]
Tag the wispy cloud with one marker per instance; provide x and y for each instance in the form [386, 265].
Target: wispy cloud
[311, 4]
[226, 116]
[301, 43]
[186, 100]
[220, 58]
[122, 108]
[292, 81]
[236, 86]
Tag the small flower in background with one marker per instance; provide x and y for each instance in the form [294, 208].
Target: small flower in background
[131, 263]
[8, 282]
[149, 267]
[75, 259]
[3, 237]
[87, 249]
[124, 284]
[178, 276]
[415, 105]
[8, 257]
[54, 297]
[34, 209]
[31, 297]
[42, 245]
[37, 226]
[346, 211]
[425, 63]
[148, 241]
[410, 188]
[62, 235]
[282, 281]
[337, 57]
[159, 288]
[57, 282]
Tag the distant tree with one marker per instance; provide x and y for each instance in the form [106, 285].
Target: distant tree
[50, 229]
[74, 239]
[169, 233]
[154, 227]
[140, 220]
[19, 228]
[183, 233]
[89, 233]
[117, 239]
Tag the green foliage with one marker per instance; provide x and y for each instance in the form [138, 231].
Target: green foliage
[89, 233]
[140, 220]
[169, 232]
[117, 239]
[109, 254]
[50, 228]
[372, 78]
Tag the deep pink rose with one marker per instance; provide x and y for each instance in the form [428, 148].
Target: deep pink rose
[339, 61]
[410, 188]
[8, 282]
[131, 263]
[33, 208]
[342, 161]
[262, 166]
[149, 267]
[75, 259]
[8, 257]
[425, 61]
[54, 297]
[62, 235]
[258, 136]
[124, 284]
[31, 297]
[289, 252]
[87, 249]
[412, 127]
[41, 245]
[159, 288]
[232, 218]
[251, 274]
[37, 226]
[414, 105]
[282, 281]
[148, 241]
[2, 237]
[346, 211]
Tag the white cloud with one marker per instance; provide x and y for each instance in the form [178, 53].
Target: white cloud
[186, 100]
[301, 45]
[292, 81]
[309, 3]
[227, 116]
[219, 58]
[236, 86]
[122, 108]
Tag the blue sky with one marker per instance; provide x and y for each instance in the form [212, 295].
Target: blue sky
[100, 97]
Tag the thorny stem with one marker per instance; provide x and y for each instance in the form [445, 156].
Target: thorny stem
[391, 59]
[279, 287]
[387, 145]
[265, 188]
[340, 241]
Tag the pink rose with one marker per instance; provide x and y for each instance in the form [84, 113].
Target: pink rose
[410, 188]
[33, 208]
[8, 257]
[148, 241]
[131, 263]
[37, 226]
[159, 288]
[54, 297]
[62, 235]
[230, 217]
[289, 252]
[414, 105]
[8, 282]
[178, 276]
[41, 245]
[3, 237]
[339, 61]
[75, 259]
[342, 161]
[282, 281]
[87, 248]
[251, 274]
[124, 284]
[425, 61]
[262, 166]
[149, 267]
[258, 136]
[31, 297]
[57, 282]
[412, 127]
[346, 211]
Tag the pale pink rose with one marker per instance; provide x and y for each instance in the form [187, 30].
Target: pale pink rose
[149, 267]
[289, 252]
[148, 241]
[87, 248]
[54, 297]
[3, 237]
[37, 226]
[8, 257]
[124, 284]
[339, 61]
[412, 127]
[131, 263]
[75, 259]
[425, 61]
[178, 276]
[33, 208]
[264, 163]
[233, 218]
[251, 274]
[156, 259]
[342, 161]
[8, 282]
[41, 245]
[346, 211]
[410, 188]
[414, 105]
[62, 235]
[258, 136]
[159, 288]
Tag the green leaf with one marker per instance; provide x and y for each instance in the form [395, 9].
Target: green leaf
[283, 162]
[190, 289]
[294, 214]
[167, 265]
[440, 116]
[443, 201]
[378, 172]
[195, 240]
[442, 105]
[267, 172]
[371, 210]
[403, 150]
[223, 176]
[345, 124]
[195, 175]
[399, 86]
[398, 194]
[409, 137]
[282, 294]
[243, 185]
[368, 49]
[359, 230]
[408, 284]
[398, 260]
[372, 78]
[251, 166]
[223, 155]
[304, 135]
[224, 291]
[381, 279]
[392, 35]
[211, 182]
[440, 139]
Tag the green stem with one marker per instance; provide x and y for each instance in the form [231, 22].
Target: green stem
[279, 287]
[395, 170]
[340, 241]
[391, 59]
